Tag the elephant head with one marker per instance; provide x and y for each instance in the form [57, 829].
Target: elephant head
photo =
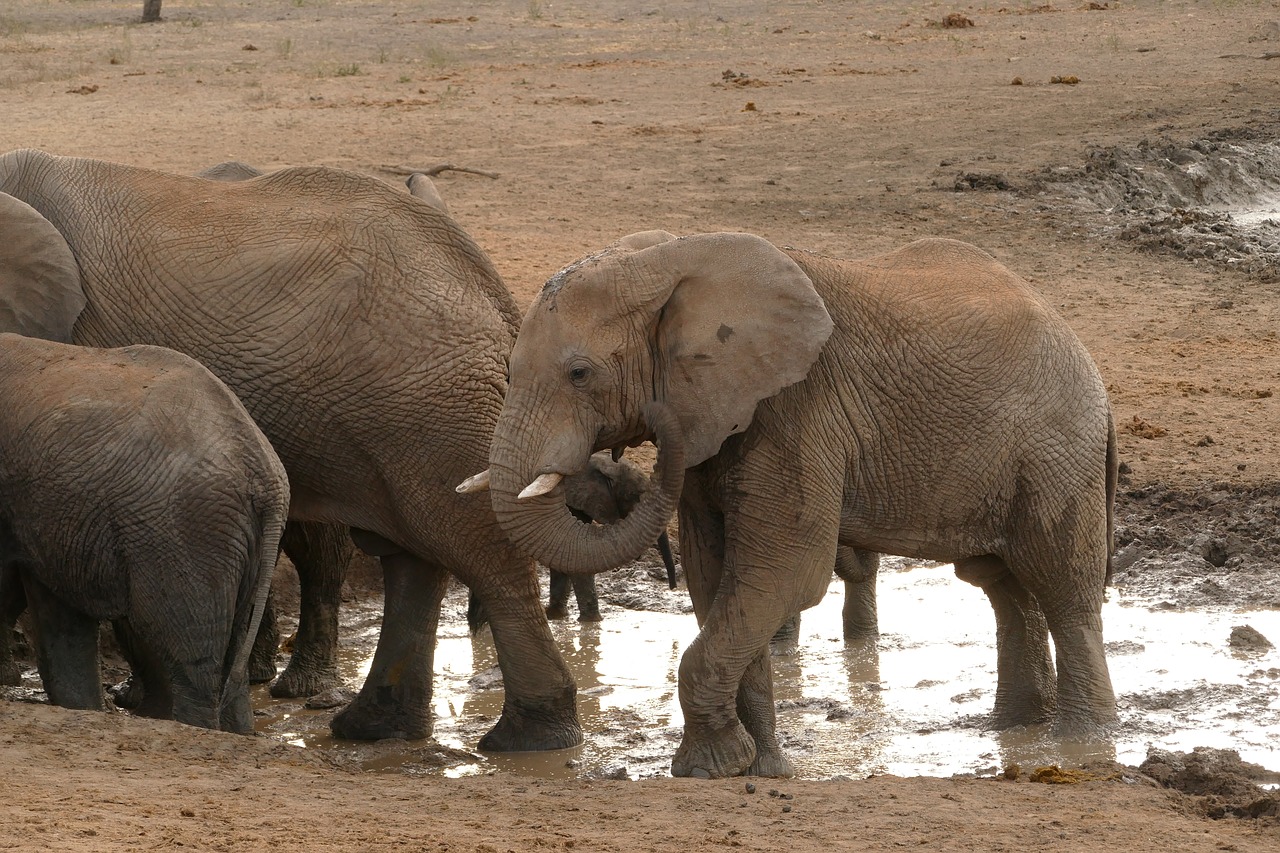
[656, 336]
[40, 289]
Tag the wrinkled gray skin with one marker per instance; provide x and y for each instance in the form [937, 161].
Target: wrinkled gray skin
[368, 337]
[925, 403]
[859, 616]
[134, 487]
[606, 493]
[321, 553]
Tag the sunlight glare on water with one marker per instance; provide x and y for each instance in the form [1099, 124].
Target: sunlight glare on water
[914, 703]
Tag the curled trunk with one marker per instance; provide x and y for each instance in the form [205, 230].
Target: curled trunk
[544, 528]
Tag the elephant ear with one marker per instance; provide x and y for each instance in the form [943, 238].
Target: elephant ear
[40, 290]
[741, 323]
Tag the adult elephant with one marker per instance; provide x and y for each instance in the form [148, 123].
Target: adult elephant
[321, 554]
[134, 487]
[925, 403]
[368, 337]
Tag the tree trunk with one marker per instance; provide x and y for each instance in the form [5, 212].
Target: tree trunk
[150, 11]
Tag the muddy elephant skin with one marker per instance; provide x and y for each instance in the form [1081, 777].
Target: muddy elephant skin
[925, 403]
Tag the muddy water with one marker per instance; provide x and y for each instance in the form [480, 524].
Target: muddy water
[912, 703]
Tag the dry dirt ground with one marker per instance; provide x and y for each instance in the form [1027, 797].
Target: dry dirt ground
[1077, 142]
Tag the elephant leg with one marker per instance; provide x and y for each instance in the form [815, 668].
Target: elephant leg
[146, 692]
[262, 659]
[321, 553]
[539, 711]
[395, 701]
[720, 745]
[758, 587]
[858, 570]
[584, 591]
[12, 602]
[756, 710]
[66, 650]
[788, 636]
[558, 600]
[1066, 576]
[1026, 688]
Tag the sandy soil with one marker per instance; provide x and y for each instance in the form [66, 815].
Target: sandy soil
[845, 128]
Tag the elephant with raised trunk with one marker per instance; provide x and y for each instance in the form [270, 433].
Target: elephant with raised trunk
[134, 487]
[926, 403]
[368, 336]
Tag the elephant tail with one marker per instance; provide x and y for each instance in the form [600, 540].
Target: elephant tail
[1113, 479]
[256, 586]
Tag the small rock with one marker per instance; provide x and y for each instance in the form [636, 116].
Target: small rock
[329, 699]
[751, 787]
[1248, 637]
[786, 809]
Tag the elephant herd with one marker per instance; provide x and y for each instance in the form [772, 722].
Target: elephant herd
[187, 361]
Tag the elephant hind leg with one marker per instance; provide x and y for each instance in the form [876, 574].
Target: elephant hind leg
[1025, 685]
[66, 650]
[1068, 582]
[321, 553]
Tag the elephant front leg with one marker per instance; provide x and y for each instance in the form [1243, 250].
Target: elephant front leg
[395, 701]
[756, 710]
[584, 592]
[558, 598]
[539, 711]
[715, 741]
[1026, 688]
[747, 573]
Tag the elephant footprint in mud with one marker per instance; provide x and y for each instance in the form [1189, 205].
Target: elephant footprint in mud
[925, 403]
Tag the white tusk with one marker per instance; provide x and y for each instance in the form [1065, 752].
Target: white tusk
[540, 486]
[474, 483]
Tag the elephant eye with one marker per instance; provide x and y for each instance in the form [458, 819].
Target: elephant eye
[578, 374]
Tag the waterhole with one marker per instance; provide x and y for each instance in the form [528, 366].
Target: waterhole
[912, 703]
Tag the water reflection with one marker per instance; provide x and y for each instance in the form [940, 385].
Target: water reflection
[913, 702]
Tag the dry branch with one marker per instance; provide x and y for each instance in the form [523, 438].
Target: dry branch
[432, 171]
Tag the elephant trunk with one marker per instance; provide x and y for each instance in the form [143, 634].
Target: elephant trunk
[544, 527]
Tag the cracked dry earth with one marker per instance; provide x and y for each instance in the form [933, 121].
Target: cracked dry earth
[1119, 155]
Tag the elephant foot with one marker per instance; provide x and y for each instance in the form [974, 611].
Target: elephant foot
[788, 633]
[590, 616]
[1083, 726]
[525, 728]
[557, 611]
[127, 694]
[772, 763]
[10, 675]
[300, 681]
[260, 672]
[379, 717]
[728, 751]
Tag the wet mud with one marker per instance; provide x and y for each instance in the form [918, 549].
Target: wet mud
[1213, 200]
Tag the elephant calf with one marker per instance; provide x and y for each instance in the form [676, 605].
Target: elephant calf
[606, 492]
[134, 487]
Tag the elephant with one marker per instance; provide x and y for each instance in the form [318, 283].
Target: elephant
[605, 493]
[134, 487]
[926, 403]
[368, 337]
[321, 553]
[859, 615]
